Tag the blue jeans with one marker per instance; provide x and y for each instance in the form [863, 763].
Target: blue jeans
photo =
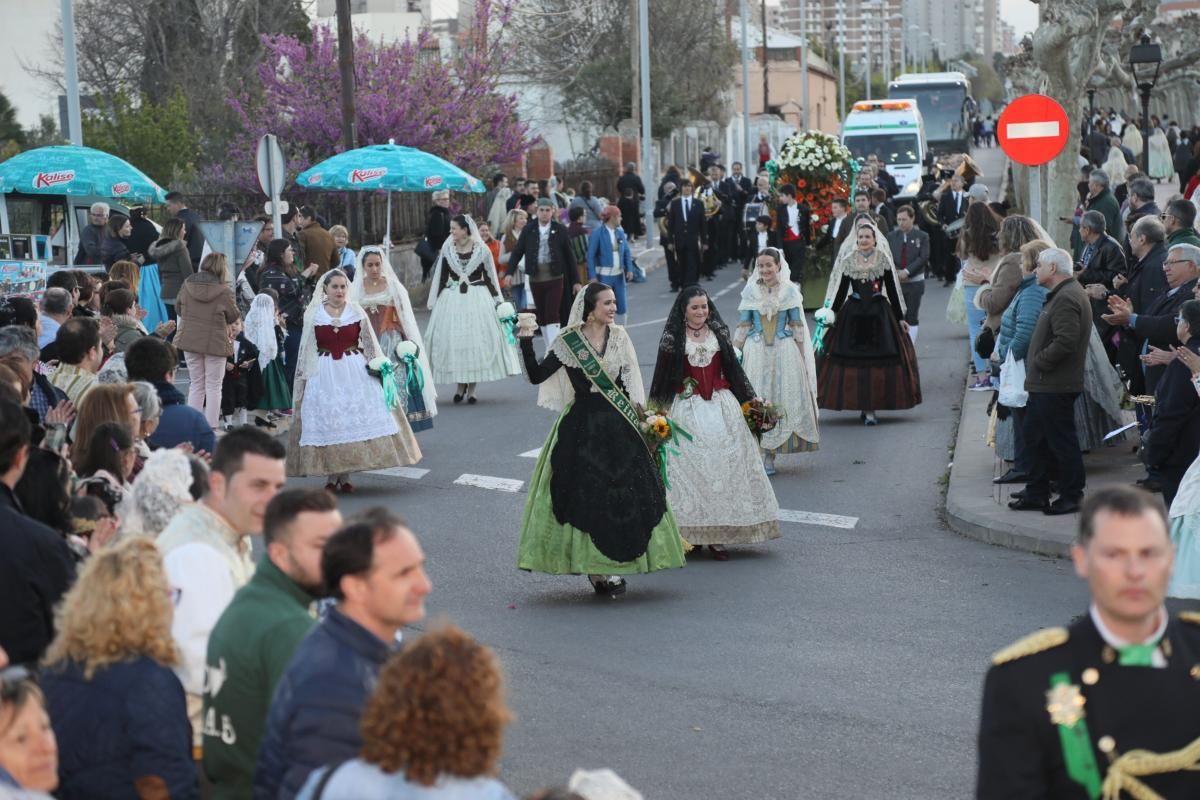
[975, 319]
[519, 298]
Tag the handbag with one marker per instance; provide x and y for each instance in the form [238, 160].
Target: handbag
[985, 343]
[425, 251]
[1012, 383]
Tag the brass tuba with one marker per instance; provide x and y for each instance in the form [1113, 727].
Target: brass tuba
[712, 203]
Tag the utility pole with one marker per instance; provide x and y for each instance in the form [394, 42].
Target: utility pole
[644, 38]
[635, 60]
[74, 122]
[766, 93]
[841, 12]
[746, 84]
[349, 118]
[866, 29]
[804, 120]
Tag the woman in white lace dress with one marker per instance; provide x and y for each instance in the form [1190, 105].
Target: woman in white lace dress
[466, 342]
[342, 422]
[778, 355]
[716, 486]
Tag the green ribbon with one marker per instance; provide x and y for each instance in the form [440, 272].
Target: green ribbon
[664, 451]
[589, 363]
[1078, 755]
[506, 325]
[819, 334]
[391, 393]
[1137, 655]
[416, 378]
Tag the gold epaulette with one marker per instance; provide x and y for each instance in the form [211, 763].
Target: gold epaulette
[1033, 643]
[1190, 616]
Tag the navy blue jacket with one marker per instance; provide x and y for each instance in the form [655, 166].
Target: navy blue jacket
[128, 722]
[180, 422]
[315, 713]
[1174, 437]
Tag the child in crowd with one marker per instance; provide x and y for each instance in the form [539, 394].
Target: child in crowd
[265, 332]
[242, 384]
[759, 242]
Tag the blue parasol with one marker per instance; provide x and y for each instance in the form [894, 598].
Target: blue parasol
[75, 170]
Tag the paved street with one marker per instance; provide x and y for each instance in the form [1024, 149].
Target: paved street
[843, 661]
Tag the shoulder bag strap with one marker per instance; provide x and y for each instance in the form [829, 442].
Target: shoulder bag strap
[321, 784]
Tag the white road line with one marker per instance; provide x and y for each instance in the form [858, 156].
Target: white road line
[531, 453]
[412, 473]
[1031, 130]
[488, 482]
[721, 293]
[813, 518]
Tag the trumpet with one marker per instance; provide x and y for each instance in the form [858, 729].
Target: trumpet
[712, 203]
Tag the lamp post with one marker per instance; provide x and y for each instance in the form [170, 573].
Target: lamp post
[866, 33]
[841, 40]
[1091, 109]
[1145, 59]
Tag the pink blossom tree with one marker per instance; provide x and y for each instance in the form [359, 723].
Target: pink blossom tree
[406, 91]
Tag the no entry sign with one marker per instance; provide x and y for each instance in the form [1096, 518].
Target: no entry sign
[1033, 130]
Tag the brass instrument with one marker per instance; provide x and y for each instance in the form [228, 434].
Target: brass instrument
[712, 203]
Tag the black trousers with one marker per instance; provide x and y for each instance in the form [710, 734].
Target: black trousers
[689, 261]
[673, 272]
[1051, 441]
[913, 291]
[795, 251]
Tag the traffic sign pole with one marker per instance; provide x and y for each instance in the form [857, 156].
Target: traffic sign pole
[1035, 195]
[272, 172]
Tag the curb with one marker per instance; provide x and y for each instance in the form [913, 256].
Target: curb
[974, 506]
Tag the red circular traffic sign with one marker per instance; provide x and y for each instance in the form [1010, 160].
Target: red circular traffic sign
[1033, 130]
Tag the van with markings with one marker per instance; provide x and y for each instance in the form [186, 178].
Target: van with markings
[893, 130]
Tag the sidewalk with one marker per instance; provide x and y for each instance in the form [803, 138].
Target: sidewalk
[978, 508]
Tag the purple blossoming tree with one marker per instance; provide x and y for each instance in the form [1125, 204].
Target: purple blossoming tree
[406, 91]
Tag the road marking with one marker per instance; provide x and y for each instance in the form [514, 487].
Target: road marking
[721, 293]
[488, 482]
[1031, 130]
[813, 518]
[531, 453]
[412, 473]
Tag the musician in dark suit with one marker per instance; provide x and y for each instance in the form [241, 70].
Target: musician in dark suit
[742, 190]
[689, 232]
[792, 230]
[910, 252]
[951, 207]
[1113, 701]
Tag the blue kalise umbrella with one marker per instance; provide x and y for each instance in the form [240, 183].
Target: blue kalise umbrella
[390, 168]
[75, 170]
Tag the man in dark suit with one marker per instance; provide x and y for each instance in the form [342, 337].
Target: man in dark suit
[1065, 710]
[669, 192]
[792, 230]
[910, 252]
[1102, 260]
[1174, 438]
[688, 231]
[545, 246]
[1143, 284]
[951, 207]
[742, 189]
[839, 226]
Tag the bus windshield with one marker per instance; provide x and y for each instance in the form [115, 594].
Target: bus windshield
[892, 148]
[941, 107]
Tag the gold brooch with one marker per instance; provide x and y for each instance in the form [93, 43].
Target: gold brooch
[1065, 704]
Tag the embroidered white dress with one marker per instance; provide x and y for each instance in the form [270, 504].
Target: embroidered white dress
[718, 490]
[465, 341]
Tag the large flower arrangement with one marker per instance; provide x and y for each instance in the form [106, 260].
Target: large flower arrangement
[821, 169]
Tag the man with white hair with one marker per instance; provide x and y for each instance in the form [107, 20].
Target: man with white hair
[1054, 378]
[1100, 198]
[91, 237]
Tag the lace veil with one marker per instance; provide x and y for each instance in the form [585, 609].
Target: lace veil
[847, 264]
[404, 310]
[157, 493]
[260, 329]
[619, 360]
[306, 361]
[448, 259]
[672, 351]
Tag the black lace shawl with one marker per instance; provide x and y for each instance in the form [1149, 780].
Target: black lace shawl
[672, 351]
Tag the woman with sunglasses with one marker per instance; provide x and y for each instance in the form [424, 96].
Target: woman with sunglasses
[28, 749]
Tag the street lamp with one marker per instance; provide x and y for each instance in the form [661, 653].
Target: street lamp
[1145, 59]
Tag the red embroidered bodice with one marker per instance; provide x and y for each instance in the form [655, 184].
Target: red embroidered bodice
[708, 379]
[337, 342]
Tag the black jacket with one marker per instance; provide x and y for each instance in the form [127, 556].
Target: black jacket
[1106, 263]
[144, 234]
[35, 572]
[437, 227]
[1147, 281]
[113, 249]
[1157, 327]
[1174, 436]
[192, 235]
[630, 181]
[781, 222]
[1148, 210]
[562, 258]
[686, 234]
[946, 212]
[290, 291]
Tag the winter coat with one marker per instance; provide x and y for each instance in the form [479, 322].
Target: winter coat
[1059, 344]
[1174, 436]
[1020, 318]
[35, 571]
[122, 733]
[249, 650]
[205, 308]
[129, 330]
[1107, 205]
[113, 249]
[315, 713]
[174, 266]
[996, 295]
[291, 295]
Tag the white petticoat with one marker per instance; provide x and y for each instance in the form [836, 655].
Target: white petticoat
[780, 376]
[719, 492]
[464, 339]
[343, 403]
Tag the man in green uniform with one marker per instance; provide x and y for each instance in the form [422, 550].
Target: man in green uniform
[1111, 705]
[255, 637]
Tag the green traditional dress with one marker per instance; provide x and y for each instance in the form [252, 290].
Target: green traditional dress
[596, 504]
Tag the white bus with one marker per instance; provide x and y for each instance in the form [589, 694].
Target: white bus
[946, 105]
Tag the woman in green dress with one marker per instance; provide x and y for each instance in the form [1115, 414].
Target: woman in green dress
[264, 332]
[596, 505]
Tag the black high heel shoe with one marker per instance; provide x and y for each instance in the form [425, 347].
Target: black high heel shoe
[458, 398]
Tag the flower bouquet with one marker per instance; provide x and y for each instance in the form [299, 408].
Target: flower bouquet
[406, 354]
[760, 416]
[660, 432]
[381, 367]
[506, 315]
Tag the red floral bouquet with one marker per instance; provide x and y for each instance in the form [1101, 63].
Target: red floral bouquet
[760, 416]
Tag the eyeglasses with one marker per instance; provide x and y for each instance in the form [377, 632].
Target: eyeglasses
[1176, 261]
[1165, 216]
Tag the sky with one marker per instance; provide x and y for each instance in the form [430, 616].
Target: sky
[1021, 14]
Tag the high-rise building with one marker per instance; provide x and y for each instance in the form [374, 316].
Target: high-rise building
[874, 25]
[387, 19]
